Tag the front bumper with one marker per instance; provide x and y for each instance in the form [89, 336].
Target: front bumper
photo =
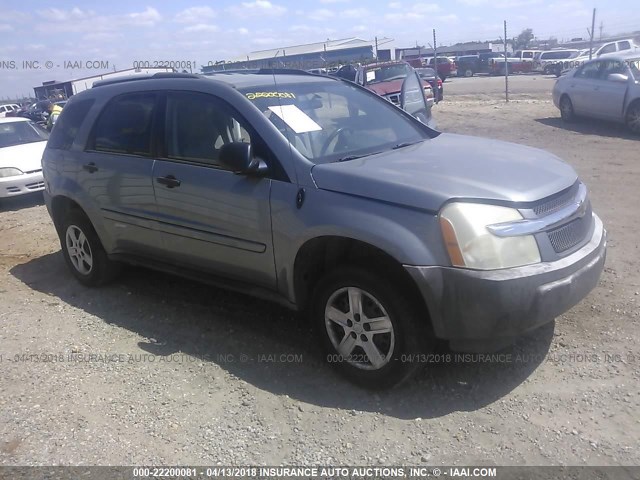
[21, 184]
[493, 307]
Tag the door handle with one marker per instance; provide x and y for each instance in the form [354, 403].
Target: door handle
[169, 181]
[90, 167]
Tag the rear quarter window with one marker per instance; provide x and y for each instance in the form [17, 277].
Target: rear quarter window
[67, 126]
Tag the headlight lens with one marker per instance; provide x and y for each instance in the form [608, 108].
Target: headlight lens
[10, 172]
[470, 244]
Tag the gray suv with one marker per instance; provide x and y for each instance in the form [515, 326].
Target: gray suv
[317, 193]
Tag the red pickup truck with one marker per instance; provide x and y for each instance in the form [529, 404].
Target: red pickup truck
[515, 65]
[446, 66]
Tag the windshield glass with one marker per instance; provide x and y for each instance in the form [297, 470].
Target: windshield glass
[331, 121]
[386, 73]
[17, 133]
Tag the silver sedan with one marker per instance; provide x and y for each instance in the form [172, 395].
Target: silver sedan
[605, 88]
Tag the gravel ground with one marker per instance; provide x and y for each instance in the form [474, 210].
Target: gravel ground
[159, 370]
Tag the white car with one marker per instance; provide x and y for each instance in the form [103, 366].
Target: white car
[607, 88]
[9, 107]
[21, 145]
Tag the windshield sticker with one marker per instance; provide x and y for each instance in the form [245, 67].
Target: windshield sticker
[371, 75]
[254, 95]
[299, 121]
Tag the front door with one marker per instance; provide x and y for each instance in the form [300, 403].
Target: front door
[610, 95]
[210, 218]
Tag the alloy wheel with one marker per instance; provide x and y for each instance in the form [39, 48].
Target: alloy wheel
[79, 250]
[633, 119]
[359, 328]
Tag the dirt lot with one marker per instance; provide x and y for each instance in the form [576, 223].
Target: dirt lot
[159, 370]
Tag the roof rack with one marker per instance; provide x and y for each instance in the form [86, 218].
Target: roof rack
[260, 71]
[146, 76]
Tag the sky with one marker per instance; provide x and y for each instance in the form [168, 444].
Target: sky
[70, 34]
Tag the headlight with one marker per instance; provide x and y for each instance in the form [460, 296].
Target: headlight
[10, 172]
[470, 244]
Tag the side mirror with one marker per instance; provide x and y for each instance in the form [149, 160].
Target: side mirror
[238, 156]
[617, 77]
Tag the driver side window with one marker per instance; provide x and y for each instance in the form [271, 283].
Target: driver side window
[197, 127]
[590, 71]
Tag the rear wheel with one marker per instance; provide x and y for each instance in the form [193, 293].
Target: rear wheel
[566, 109]
[633, 118]
[83, 252]
[468, 72]
[370, 328]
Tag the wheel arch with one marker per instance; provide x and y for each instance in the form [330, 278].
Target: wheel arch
[61, 206]
[319, 255]
[633, 103]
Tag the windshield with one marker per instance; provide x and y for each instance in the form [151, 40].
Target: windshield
[386, 73]
[331, 121]
[17, 133]
[634, 66]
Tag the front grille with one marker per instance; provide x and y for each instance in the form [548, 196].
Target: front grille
[569, 235]
[555, 203]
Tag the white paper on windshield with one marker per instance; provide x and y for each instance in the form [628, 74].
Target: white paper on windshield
[371, 75]
[299, 121]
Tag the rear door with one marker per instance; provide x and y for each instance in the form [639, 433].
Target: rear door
[116, 172]
[210, 218]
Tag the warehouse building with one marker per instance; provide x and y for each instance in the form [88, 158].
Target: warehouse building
[62, 90]
[311, 55]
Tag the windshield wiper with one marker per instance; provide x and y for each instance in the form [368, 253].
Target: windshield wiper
[405, 144]
[353, 157]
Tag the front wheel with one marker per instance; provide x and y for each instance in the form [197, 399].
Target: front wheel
[371, 330]
[83, 252]
[468, 73]
[633, 118]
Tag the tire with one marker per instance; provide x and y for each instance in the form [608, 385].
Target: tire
[566, 109]
[632, 119]
[557, 71]
[405, 329]
[83, 252]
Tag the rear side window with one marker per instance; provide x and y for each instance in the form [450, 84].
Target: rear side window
[124, 126]
[624, 45]
[608, 49]
[68, 124]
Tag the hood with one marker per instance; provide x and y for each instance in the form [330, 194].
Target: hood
[449, 167]
[385, 88]
[27, 157]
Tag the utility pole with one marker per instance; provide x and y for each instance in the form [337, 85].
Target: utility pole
[601, 25]
[593, 26]
[435, 53]
[376, 48]
[506, 65]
